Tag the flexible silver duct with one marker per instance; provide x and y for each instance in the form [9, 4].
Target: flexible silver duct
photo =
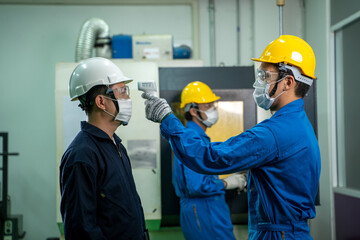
[93, 30]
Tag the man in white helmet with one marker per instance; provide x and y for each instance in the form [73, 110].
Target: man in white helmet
[98, 194]
[281, 153]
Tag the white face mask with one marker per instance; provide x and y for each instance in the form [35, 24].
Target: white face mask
[212, 117]
[261, 95]
[125, 111]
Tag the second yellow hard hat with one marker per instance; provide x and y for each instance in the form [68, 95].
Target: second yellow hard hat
[197, 92]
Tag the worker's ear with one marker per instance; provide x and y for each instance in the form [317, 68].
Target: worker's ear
[193, 112]
[100, 102]
[289, 82]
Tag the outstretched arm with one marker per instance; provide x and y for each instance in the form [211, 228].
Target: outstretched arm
[247, 150]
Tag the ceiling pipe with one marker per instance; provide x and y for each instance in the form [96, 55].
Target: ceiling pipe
[238, 32]
[280, 4]
[212, 33]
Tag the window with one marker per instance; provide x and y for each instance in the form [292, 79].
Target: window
[347, 89]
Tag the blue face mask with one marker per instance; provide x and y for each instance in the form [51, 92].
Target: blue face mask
[261, 94]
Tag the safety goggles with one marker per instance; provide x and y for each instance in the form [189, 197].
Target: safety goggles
[209, 105]
[121, 92]
[265, 76]
[205, 106]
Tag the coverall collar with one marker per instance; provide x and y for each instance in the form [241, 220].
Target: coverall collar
[294, 106]
[97, 132]
[197, 128]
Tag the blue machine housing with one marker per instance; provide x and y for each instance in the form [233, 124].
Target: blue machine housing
[122, 46]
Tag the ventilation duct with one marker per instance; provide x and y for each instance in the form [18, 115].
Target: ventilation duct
[94, 33]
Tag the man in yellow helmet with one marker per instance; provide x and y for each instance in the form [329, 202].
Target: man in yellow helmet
[281, 153]
[202, 197]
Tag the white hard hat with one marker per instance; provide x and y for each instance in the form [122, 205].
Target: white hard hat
[92, 72]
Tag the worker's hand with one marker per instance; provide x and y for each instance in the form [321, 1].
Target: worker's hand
[235, 181]
[156, 109]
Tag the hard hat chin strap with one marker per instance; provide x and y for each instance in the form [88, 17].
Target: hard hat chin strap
[193, 105]
[273, 91]
[110, 92]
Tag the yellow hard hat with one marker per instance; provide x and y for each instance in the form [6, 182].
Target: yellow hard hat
[197, 92]
[290, 50]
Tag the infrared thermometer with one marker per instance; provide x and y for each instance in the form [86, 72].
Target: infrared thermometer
[148, 87]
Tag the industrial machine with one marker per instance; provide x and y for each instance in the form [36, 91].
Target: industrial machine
[11, 225]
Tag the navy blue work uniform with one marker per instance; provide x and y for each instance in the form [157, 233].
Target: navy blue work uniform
[283, 158]
[204, 213]
[98, 195]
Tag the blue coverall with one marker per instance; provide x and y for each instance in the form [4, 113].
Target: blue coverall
[98, 195]
[204, 213]
[283, 158]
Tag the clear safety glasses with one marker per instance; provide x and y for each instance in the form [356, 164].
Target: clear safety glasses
[121, 92]
[265, 76]
[206, 106]
[210, 105]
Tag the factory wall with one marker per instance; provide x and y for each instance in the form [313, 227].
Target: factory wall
[317, 32]
[326, 22]
[34, 37]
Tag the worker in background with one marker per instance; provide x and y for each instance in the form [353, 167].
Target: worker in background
[281, 153]
[98, 195]
[204, 213]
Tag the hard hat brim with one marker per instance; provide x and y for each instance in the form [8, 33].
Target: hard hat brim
[216, 98]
